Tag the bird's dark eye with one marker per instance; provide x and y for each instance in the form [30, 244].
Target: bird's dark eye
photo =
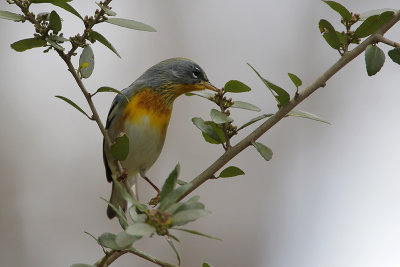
[196, 73]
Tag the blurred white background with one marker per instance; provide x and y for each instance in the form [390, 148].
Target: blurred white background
[329, 197]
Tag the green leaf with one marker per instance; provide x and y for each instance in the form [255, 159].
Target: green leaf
[235, 86]
[141, 207]
[56, 38]
[197, 233]
[181, 182]
[372, 24]
[210, 140]
[188, 205]
[81, 265]
[106, 10]
[123, 221]
[118, 211]
[231, 171]
[250, 122]
[140, 229]
[110, 89]
[55, 22]
[183, 217]
[340, 9]
[365, 15]
[86, 62]
[306, 115]
[192, 204]
[205, 264]
[124, 239]
[207, 130]
[25, 44]
[329, 34]
[133, 213]
[171, 243]
[107, 240]
[245, 105]
[68, 8]
[219, 117]
[49, 1]
[173, 196]
[92, 236]
[142, 218]
[72, 104]
[367, 27]
[97, 36]
[374, 59]
[394, 54]
[204, 94]
[170, 183]
[264, 151]
[385, 17]
[217, 129]
[131, 24]
[296, 80]
[173, 237]
[281, 96]
[11, 16]
[342, 37]
[54, 44]
[120, 149]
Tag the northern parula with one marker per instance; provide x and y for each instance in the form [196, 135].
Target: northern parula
[146, 117]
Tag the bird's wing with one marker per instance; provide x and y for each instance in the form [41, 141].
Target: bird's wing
[108, 170]
[117, 106]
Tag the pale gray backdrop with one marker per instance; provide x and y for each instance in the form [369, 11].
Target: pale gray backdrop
[329, 197]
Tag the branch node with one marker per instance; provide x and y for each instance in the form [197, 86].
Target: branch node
[380, 38]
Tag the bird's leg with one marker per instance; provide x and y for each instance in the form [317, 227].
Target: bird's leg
[123, 176]
[154, 201]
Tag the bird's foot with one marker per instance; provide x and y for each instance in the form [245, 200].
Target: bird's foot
[123, 176]
[155, 200]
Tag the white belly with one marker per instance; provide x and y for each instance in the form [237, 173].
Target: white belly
[145, 145]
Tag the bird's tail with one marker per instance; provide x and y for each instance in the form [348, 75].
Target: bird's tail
[117, 200]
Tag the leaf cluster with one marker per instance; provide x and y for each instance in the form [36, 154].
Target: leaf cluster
[48, 26]
[220, 128]
[371, 22]
[168, 216]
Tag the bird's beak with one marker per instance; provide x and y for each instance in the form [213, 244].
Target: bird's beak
[208, 85]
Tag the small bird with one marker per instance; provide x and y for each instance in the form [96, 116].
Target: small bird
[146, 117]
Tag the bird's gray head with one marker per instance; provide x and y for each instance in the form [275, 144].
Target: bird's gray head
[173, 77]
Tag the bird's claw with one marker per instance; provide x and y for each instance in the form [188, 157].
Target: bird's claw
[155, 200]
[123, 176]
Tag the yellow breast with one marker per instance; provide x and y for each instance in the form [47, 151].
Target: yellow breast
[148, 106]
